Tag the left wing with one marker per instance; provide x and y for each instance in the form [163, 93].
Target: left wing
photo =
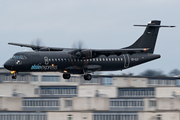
[37, 48]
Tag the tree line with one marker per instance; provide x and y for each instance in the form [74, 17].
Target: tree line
[160, 73]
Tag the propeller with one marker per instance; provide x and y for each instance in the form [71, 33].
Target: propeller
[37, 42]
[79, 46]
[78, 55]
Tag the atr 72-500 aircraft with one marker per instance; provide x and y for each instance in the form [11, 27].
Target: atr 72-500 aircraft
[84, 61]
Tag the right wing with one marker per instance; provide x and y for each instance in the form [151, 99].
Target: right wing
[108, 52]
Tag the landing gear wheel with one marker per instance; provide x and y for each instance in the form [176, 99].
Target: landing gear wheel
[14, 74]
[66, 76]
[87, 77]
[14, 77]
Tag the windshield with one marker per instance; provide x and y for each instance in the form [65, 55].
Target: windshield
[22, 57]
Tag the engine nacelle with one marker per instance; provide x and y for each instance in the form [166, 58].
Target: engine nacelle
[86, 54]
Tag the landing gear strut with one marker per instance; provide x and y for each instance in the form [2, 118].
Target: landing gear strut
[14, 74]
[87, 77]
[66, 76]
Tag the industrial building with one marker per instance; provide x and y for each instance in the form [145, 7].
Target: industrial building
[47, 96]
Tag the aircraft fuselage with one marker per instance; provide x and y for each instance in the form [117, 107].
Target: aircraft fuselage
[65, 63]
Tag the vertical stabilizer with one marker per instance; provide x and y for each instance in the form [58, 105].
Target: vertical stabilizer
[148, 39]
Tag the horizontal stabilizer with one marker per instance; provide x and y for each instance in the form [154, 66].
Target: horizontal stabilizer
[154, 26]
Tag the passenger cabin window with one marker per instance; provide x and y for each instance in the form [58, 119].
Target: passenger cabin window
[21, 57]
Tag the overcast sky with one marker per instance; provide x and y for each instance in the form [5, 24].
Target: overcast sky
[99, 23]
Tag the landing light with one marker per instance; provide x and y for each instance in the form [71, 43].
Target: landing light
[52, 64]
[65, 71]
[12, 72]
[145, 49]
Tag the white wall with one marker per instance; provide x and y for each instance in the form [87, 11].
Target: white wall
[80, 115]
[147, 107]
[90, 103]
[168, 103]
[11, 103]
[23, 90]
[129, 82]
[90, 91]
[162, 104]
[166, 91]
[171, 115]
[63, 106]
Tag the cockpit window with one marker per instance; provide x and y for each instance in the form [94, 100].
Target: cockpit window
[21, 57]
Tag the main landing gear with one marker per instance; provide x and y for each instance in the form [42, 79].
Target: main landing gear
[86, 76]
[14, 74]
[66, 76]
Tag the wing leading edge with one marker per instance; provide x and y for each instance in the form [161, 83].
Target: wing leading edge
[37, 48]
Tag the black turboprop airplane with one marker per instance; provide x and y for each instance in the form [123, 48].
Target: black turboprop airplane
[85, 61]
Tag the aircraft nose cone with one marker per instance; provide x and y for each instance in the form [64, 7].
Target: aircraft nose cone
[7, 65]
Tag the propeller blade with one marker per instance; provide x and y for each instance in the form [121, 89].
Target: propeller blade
[79, 46]
[37, 42]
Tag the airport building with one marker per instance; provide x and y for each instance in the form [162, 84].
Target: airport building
[47, 96]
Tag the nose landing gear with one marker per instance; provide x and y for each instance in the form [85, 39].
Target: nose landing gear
[14, 77]
[87, 76]
[14, 74]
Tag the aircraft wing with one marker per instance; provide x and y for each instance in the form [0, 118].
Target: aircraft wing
[97, 52]
[119, 51]
[37, 48]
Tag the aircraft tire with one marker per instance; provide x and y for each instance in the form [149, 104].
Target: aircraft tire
[88, 77]
[14, 77]
[66, 76]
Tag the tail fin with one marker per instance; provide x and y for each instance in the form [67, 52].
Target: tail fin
[148, 39]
